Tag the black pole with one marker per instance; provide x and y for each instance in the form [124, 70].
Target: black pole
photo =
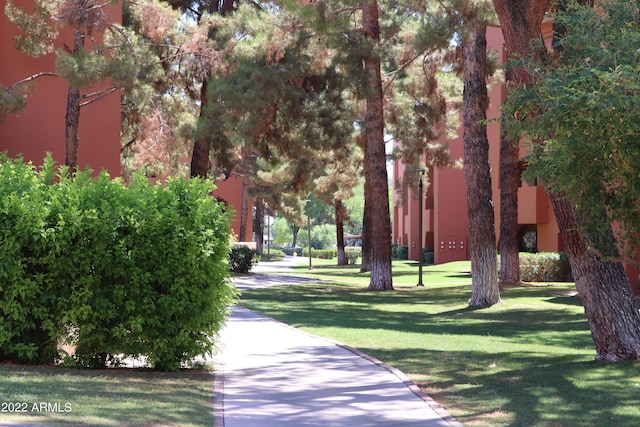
[268, 237]
[309, 231]
[420, 174]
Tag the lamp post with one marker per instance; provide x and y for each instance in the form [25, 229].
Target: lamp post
[268, 236]
[420, 172]
[309, 230]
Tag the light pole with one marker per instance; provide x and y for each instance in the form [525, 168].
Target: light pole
[420, 172]
[309, 230]
[268, 236]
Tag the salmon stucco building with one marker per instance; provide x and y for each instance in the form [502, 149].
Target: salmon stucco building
[40, 128]
[445, 224]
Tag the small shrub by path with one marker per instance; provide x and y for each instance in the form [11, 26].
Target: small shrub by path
[525, 362]
[67, 397]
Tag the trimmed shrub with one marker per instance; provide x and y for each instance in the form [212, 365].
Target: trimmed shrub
[30, 326]
[545, 267]
[320, 253]
[428, 256]
[352, 253]
[403, 252]
[135, 271]
[394, 250]
[242, 259]
[291, 251]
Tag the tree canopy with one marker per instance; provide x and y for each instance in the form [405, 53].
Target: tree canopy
[584, 110]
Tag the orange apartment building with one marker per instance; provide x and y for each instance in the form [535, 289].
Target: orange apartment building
[40, 128]
[445, 222]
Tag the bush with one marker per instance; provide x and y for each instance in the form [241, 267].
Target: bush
[394, 250]
[291, 251]
[30, 325]
[242, 259]
[403, 252]
[352, 253]
[320, 253]
[545, 267]
[138, 271]
[428, 256]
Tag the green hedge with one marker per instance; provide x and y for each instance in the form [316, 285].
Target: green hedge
[545, 267]
[242, 259]
[428, 256]
[352, 253]
[290, 251]
[320, 253]
[136, 271]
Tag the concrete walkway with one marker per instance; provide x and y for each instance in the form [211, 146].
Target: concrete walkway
[273, 375]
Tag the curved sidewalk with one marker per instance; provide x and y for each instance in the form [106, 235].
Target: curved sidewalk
[276, 376]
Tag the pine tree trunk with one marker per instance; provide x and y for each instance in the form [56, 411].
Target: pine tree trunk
[258, 224]
[606, 295]
[72, 117]
[509, 183]
[484, 281]
[72, 122]
[339, 208]
[381, 278]
[201, 146]
[366, 219]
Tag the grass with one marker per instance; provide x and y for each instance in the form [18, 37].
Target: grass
[66, 397]
[525, 362]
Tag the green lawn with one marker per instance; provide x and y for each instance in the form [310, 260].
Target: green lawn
[65, 397]
[525, 362]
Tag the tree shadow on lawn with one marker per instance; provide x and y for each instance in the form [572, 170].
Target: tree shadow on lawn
[520, 389]
[438, 312]
[354, 271]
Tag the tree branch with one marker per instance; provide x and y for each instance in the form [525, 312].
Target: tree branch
[33, 77]
[97, 95]
[406, 64]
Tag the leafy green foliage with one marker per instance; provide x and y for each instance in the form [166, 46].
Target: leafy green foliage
[402, 252]
[242, 259]
[545, 267]
[319, 253]
[138, 270]
[428, 256]
[27, 306]
[291, 251]
[352, 254]
[582, 116]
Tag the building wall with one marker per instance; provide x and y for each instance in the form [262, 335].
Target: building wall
[41, 127]
[230, 191]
